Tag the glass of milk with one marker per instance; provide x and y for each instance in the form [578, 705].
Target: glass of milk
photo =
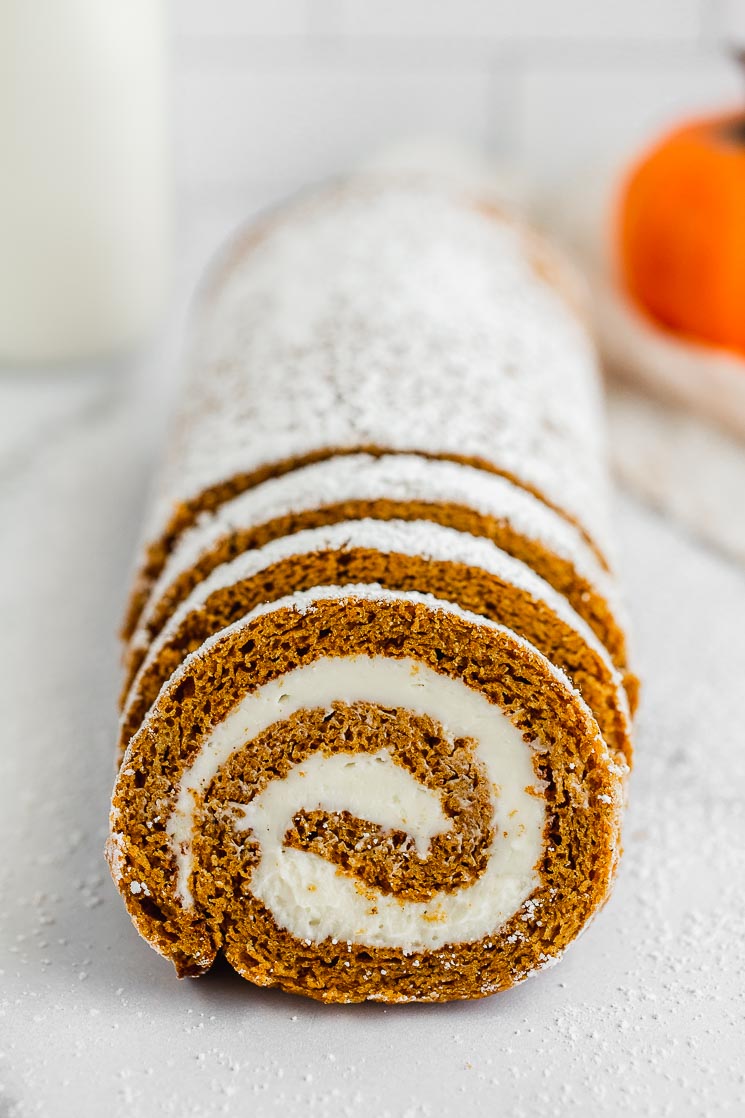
[84, 177]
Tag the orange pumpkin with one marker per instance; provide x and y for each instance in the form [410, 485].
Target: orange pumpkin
[682, 232]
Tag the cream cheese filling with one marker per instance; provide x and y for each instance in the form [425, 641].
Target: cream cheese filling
[312, 898]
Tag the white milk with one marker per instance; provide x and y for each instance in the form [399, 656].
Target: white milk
[84, 192]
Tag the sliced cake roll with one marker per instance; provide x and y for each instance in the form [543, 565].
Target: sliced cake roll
[375, 725]
[470, 572]
[358, 793]
[384, 316]
[400, 487]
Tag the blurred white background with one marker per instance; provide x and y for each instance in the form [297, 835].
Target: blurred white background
[269, 95]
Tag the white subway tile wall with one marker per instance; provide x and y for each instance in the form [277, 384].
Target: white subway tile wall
[504, 20]
[241, 17]
[281, 128]
[269, 94]
[575, 120]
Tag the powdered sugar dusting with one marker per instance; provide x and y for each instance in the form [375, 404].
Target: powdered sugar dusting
[395, 316]
[115, 854]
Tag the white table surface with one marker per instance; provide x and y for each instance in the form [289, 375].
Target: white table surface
[644, 1016]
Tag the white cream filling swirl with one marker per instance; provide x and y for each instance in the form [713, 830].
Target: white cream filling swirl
[311, 897]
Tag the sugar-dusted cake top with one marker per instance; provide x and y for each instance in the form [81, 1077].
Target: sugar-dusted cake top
[394, 316]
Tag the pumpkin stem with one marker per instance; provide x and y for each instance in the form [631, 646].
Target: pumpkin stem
[739, 55]
[736, 130]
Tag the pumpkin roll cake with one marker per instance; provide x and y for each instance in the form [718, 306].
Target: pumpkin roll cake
[375, 728]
